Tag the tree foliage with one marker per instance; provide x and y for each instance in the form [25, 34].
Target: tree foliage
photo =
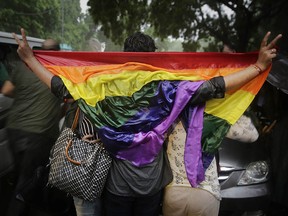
[240, 23]
[72, 24]
[58, 19]
[34, 16]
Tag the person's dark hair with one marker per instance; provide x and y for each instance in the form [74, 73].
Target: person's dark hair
[50, 44]
[227, 48]
[139, 42]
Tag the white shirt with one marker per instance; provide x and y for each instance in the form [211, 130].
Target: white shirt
[175, 151]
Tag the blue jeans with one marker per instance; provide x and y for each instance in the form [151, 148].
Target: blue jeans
[132, 206]
[88, 208]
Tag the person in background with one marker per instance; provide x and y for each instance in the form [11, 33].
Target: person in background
[129, 189]
[131, 192]
[32, 125]
[227, 49]
[3, 70]
[50, 44]
[180, 199]
[278, 137]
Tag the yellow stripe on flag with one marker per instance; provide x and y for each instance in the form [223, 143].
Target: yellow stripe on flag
[222, 108]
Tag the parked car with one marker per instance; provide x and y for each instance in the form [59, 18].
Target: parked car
[244, 176]
[244, 168]
[7, 39]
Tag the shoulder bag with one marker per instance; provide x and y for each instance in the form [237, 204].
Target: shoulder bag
[79, 167]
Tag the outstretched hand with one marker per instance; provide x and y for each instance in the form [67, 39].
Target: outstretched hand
[26, 54]
[24, 51]
[267, 51]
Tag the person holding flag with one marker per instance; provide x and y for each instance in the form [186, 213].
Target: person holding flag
[132, 104]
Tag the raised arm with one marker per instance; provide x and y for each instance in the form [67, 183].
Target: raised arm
[266, 53]
[26, 54]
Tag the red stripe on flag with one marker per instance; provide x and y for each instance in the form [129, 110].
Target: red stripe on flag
[168, 60]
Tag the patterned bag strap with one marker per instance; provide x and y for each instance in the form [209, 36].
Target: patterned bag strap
[67, 154]
[70, 142]
[76, 117]
[74, 125]
[75, 122]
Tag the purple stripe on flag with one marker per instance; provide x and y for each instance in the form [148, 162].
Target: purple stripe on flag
[146, 146]
[193, 151]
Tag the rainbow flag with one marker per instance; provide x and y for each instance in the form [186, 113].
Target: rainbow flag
[133, 98]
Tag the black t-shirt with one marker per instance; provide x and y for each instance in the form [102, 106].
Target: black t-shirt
[35, 108]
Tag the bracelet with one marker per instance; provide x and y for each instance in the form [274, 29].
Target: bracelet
[257, 68]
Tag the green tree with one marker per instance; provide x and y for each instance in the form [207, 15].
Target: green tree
[72, 29]
[39, 17]
[58, 19]
[238, 23]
